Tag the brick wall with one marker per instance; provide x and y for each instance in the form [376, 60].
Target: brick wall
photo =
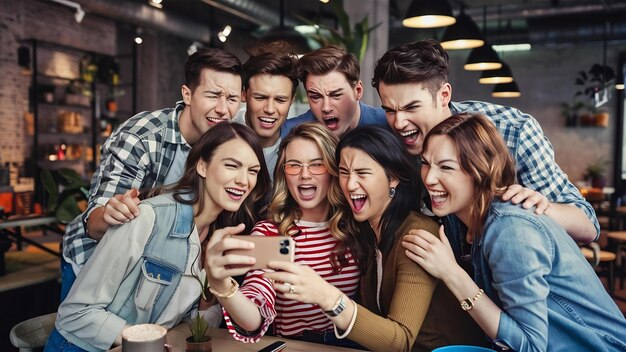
[43, 20]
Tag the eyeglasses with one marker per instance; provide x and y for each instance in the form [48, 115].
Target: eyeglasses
[296, 168]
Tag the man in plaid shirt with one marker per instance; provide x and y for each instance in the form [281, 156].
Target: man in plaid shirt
[150, 149]
[412, 81]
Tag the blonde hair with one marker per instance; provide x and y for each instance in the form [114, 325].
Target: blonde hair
[283, 209]
[484, 156]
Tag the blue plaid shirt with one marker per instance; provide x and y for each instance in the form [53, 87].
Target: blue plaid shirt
[533, 154]
[137, 155]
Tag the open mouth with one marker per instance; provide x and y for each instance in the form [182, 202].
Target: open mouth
[358, 201]
[235, 194]
[409, 137]
[267, 122]
[437, 198]
[307, 192]
[331, 122]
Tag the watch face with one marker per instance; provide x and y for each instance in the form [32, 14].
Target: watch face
[466, 304]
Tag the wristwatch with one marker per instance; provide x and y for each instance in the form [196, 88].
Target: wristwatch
[468, 303]
[338, 308]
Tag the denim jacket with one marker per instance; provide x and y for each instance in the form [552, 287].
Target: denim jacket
[551, 298]
[141, 289]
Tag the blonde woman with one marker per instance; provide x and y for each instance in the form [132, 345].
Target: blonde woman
[307, 205]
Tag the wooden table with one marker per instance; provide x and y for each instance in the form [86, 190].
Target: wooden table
[224, 342]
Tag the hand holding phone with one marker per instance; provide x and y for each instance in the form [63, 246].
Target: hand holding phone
[266, 249]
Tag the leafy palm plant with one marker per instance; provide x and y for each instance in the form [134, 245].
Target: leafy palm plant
[354, 39]
[65, 189]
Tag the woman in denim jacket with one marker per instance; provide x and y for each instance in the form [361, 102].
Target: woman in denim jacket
[153, 263]
[540, 294]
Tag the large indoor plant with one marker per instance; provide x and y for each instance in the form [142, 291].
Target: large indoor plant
[353, 38]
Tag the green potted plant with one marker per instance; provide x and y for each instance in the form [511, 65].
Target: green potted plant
[354, 39]
[67, 193]
[595, 173]
[591, 84]
[199, 341]
[570, 112]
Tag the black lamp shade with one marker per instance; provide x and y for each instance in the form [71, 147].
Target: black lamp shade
[429, 14]
[501, 75]
[296, 41]
[464, 34]
[483, 58]
[506, 90]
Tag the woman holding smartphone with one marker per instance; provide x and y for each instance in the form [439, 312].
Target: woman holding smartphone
[402, 307]
[153, 262]
[531, 290]
[307, 206]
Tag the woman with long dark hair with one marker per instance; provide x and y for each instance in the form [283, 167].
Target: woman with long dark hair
[153, 263]
[402, 307]
[531, 289]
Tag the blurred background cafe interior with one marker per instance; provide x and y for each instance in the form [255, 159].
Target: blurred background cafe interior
[73, 70]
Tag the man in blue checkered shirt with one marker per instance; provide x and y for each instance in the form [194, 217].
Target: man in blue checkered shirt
[412, 81]
[150, 149]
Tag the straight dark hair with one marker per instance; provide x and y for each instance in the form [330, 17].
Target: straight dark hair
[213, 59]
[388, 151]
[190, 187]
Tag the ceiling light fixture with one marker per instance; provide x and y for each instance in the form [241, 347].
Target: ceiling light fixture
[298, 43]
[429, 14]
[511, 47]
[156, 3]
[464, 34]
[484, 57]
[79, 15]
[224, 33]
[138, 38]
[506, 90]
[501, 75]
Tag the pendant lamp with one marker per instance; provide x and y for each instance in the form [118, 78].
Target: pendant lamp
[464, 34]
[501, 75]
[483, 58]
[429, 14]
[506, 90]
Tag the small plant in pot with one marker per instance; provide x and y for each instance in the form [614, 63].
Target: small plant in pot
[595, 173]
[571, 112]
[199, 341]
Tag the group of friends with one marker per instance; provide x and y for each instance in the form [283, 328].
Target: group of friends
[420, 224]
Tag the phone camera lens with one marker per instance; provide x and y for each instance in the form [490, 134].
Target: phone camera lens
[284, 250]
[284, 243]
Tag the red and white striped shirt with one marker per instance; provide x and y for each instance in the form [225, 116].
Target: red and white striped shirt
[314, 246]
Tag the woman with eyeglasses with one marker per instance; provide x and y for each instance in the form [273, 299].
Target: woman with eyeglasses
[306, 205]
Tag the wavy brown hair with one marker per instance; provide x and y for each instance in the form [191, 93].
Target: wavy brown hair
[329, 59]
[190, 188]
[483, 155]
[284, 210]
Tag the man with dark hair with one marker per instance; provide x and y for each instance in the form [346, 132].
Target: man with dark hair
[270, 80]
[331, 79]
[412, 81]
[150, 149]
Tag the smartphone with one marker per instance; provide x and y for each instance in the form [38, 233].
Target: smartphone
[266, 249]
[274, 347]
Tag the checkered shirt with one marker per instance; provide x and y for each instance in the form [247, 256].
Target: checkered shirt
[533, 154]
[137, 155]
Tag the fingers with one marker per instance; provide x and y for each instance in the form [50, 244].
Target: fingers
[443, 237]
[511, 191]
[219, 234]
[122, 208]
